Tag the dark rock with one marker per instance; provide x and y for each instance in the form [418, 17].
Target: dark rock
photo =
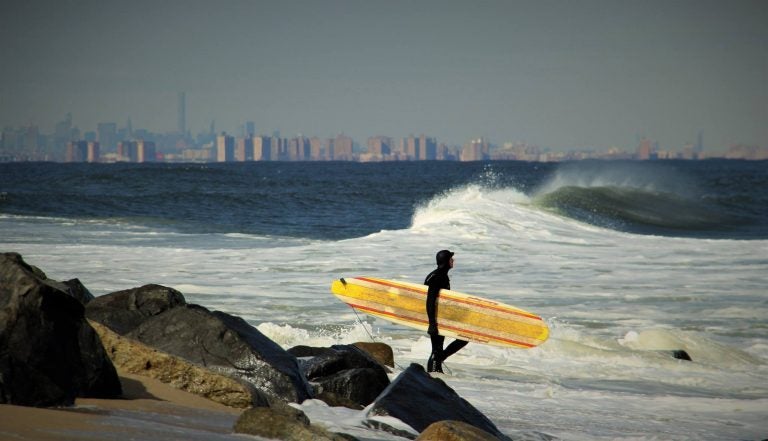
[309, 351]
[334, 359]
[49, 354]
[334, 400]
[681, 355]
[227, 344]
[419, 400]
[359, 385]
[343, 371]
[123, 311]
[74, 288]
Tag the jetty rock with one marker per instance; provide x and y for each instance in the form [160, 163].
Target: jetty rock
[419, 400]
[49, 354]
[226, 344]
[134, 357]
[123, 311]
[283, 422]
[454, 431]
[342, 375]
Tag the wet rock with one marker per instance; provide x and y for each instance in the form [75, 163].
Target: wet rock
[360, 385]
[123, 311]
[343, 371]
[134, 357]
[454, 431]
[681, 355]
[321, 362]
[226, 344]
[419, 400]
[49, 354]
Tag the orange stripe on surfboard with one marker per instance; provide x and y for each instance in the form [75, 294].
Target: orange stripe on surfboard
[455, 329]
[448, 296]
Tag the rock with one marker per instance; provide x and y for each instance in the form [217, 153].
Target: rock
[380, 352]
[681, 355]
[134, 357]
[123, 311]
[360, 385]
[309, 351]
[283, 423]
[49, 354]
[454, 431]
[419, 400]
[337, 358]
[74, 288]
[334, 400]
[343, 374]
[226, 344]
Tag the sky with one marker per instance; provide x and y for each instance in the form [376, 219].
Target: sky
[559, 74]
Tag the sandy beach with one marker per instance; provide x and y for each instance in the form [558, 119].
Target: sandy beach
[149, 410]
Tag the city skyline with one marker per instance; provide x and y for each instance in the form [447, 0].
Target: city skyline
[561, 75]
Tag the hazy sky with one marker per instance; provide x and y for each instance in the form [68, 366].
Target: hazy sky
[558, 74]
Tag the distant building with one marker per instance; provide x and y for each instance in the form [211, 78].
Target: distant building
[182, 114]
[137, 151]
[262, 148]
[380, 146]
[225, 148]
[645, 150]
[316, 149]
[244, 149]
[476, 150]
[82, 151]
[412, 148]
[342, 148]
[107, 135]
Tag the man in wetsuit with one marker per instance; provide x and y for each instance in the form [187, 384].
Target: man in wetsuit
[437, 280]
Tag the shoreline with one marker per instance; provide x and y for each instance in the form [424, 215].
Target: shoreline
[149, 410]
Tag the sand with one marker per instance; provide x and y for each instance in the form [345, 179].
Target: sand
[149, 410]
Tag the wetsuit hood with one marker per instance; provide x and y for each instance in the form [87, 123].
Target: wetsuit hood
[443, 259]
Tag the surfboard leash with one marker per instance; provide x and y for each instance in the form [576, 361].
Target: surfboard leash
[373, 339]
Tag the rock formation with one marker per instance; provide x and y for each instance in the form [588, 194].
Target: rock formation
[49, 354]
[419, 400]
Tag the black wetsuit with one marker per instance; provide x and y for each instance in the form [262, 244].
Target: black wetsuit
[437, 280]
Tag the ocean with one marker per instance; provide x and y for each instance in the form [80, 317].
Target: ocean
[626, 261]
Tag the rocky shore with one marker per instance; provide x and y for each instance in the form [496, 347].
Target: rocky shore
[78, 365]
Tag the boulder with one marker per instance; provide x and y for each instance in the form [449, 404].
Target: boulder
[225, 344]
[75, 289]
[454, 431]
[321, 362]
[49, 354]
[360, 386]
[343, 374]
[380, 352]
[419, 400]
[283, 423]
[123, 311]
[133, 357]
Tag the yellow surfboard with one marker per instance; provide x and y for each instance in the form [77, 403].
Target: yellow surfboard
[459, 315]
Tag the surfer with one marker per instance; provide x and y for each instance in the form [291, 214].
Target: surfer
[437, 280]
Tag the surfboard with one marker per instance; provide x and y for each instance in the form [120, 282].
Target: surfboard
[464, 316]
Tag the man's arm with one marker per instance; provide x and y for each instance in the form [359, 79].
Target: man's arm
[432, 293]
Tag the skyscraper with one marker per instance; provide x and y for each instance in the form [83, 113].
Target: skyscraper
[182, 113]
[225, 148]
